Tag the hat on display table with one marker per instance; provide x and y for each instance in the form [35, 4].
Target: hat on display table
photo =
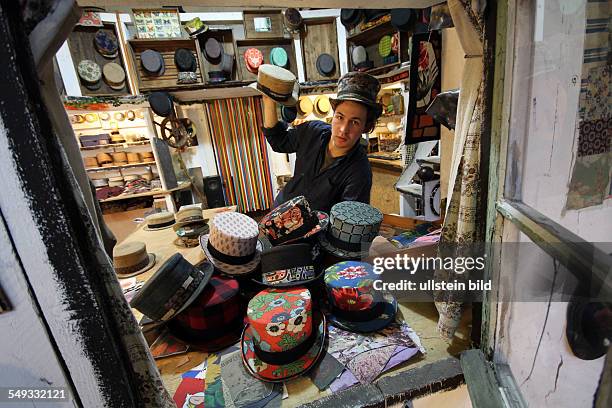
[174, 286]
[277, 83]
[288, 265]
[190, 224]
[354, 303]
[284, 337]
[159, 221]
[232, 245]
[352, 228]
[131, 259]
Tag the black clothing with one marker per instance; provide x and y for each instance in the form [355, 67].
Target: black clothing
[349, 177]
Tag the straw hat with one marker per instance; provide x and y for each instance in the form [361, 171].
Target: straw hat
[104, 158]
[133, 158]
[114, 75]
[90, 162]
[186, 215]
[158, 221]
[322, 105]
[305, 106]
[131, 259]
[277, 83]
[120, 157]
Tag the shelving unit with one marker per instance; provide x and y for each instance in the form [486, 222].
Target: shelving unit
[116, 145]
[124, 166]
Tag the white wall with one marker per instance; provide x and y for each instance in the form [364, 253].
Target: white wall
[558, 378]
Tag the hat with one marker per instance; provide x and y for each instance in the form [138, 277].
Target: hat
[133, 158]
[104, 158]
[305, 105]
[131, 259]
[232, 245]
[288, 265]
[216, 76]
[359, 55]
[188, 214]
[277, 83]
[214, 320]
[350, 17]
[293, 20]
[91, 162]
[354, 303]
[384, 46]
[195, 26]
[278, 56]
[373, 14]
[106, 43]
[353, 227]
[284, 337]
[227, 63]
[90, 74]
[322, 105]
[186, 77]
[160, 220]
[152, 62]
[172, 288]
[288, 113]
[161, 103]
[212, 49]
[188, 235]
[253, 58]
[291, 221]
[184, 60]
[326, 65]
[358, 87]
[403, 18]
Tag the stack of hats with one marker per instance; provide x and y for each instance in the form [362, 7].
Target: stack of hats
[120, 158]
[253, 58]
[190, 224]
[90, 162]
[104, 159]
[152, 62]
[90, 74]
[101, 182]
[159, 221]
[116, 137]
[116, 181]
[105, 42]
[131, 259]
[114, 76]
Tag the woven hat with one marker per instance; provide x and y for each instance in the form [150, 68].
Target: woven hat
[158, 221]
[354, 303]
[253, 58]
[359, 87]
[322, 105]
[131, 259]
[114, 75]
[326, 65]
[305, 105]
[106, 44]
[291, 221]
[284, 337]
[212, 49]
[278, 57]
[277, 83]
[293, 20]
[188, 234]
[214, 320]
[353, 227]
[186, 215]
[119, 158]
[232, 245]
[173, 287]
[152, 62]
[184, 60]
[90, 162]
[288, 265]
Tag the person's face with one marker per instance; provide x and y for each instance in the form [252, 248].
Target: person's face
[348, 124]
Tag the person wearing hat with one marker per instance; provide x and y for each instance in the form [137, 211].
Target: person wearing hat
[331, 164]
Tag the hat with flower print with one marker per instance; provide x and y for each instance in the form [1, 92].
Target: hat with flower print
[232, 245]
[284, 337]
[354, 303]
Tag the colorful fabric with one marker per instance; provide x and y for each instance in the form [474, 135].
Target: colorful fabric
[241, 152]
[384, 46]
[289, 221]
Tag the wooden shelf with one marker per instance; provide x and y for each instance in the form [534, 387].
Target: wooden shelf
[113, 145]
[372, 34]
[181, 186]
[377, 70]
[125, 166]
[264, 41]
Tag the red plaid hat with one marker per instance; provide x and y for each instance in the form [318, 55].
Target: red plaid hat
[215, 319]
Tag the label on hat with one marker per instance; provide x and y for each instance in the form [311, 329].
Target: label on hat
[299, 273]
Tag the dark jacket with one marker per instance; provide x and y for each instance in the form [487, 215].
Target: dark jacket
[348, 178]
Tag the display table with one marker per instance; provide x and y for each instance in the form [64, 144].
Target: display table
[422, 317]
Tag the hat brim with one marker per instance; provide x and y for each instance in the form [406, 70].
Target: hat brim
[223, 341]
[341, 253]
[229, 269]
[150, 264]
[292, 101]
[279, 373]
[147, 228]
[383, 320]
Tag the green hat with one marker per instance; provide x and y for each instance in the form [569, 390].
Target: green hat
[278, 56]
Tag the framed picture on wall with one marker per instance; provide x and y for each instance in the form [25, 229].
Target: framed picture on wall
[157, 23]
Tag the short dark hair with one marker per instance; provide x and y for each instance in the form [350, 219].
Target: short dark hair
[372, 115]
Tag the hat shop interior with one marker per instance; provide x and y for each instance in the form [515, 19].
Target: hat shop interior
[242, 302]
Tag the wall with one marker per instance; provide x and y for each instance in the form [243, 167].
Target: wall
[531, 336]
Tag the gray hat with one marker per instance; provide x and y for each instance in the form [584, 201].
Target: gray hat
[358, 87]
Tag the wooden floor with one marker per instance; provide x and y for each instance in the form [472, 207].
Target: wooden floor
[122, 223]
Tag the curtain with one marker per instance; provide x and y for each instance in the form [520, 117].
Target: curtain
[462, 227]
[241, 152]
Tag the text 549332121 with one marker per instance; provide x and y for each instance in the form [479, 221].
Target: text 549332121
[8, 394]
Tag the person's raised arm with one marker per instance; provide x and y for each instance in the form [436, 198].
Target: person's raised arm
[269, 112]
[281, 140]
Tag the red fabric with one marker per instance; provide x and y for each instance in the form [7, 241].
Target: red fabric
[253, 58]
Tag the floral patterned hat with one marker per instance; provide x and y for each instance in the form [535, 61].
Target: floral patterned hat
[284, 337]
[215, 319]
[353, 227]
[291, 221]
[232, 245]
[354, 303]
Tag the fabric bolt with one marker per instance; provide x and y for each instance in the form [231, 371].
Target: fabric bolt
[241, 152]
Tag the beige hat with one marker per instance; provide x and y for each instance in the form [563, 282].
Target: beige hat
[104, 158]
[305, 106]
[158, 221]
[187, 215]
[277, 83]
[322, 105]
[90, 162]
[132, 259]
[120, 157]
[133, 158]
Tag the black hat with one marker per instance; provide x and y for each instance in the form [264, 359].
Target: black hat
[216, 76]
[372, 14]
[212, 49]
[288, 113]
[288, 265]
[358, 87]
[152, 62]
[326, 64]
[185, 60]
[403, 18]
[350, 17]
[161, 103]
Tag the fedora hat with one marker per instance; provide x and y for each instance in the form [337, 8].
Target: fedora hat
[322, 105]
[354, 303]
[253, 58]
[291, 221]
[105, 42]
[288, 113]
[131, 259]
[358, 87]
[326, 65]
[277, 83]
[288, 265]
[188, 214]
[158, 221]
[232, 245]
[173, 287]
[184, 60]
[305, 105]
[212, 49]
[353, 227]
[152, 62]
[293, 20]
[284, 337]
[215, 319]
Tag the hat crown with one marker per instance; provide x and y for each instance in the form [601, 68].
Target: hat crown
[233, 234]
[129, 254]
[358, 84]
[159, 218]
[281, 319]
[278, 80]
[350, 285]
[289, 221]
[354, 222]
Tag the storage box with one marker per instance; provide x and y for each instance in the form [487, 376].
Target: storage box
[94, 140]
